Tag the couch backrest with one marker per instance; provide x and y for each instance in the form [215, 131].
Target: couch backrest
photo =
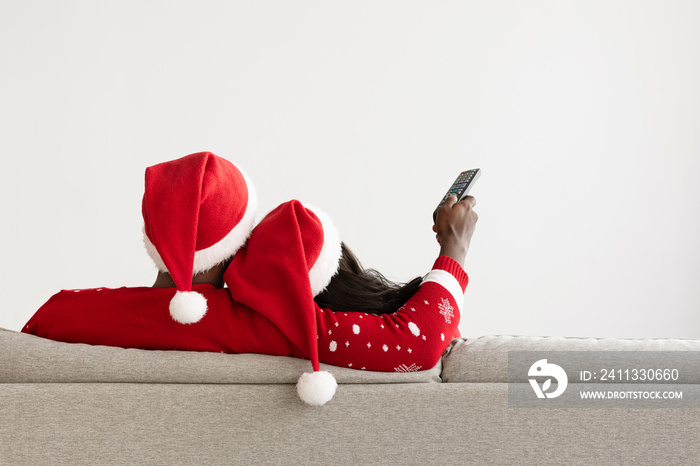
[485, 359]
[29, 359]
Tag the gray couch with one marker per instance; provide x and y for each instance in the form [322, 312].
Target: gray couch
[79, 404]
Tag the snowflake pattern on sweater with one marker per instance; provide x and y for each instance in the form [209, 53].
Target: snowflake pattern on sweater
[408, 340]
[446, 309]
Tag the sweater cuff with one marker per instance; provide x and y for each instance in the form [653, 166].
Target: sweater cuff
[453, 268]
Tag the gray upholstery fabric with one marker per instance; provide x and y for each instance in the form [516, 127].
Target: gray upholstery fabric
[485, 359]
[170, 408]
[30, 359]
[403, 424]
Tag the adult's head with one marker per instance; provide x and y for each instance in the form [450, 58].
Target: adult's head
[356, 289]
[198, 211]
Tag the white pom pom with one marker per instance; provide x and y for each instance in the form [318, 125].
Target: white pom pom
[316, 388]
[188, 307]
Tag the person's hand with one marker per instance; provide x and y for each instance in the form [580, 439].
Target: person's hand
[455, 226]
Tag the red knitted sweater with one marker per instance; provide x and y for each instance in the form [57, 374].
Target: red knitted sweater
[411, 339]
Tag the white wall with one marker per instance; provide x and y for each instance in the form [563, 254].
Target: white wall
[584, 117]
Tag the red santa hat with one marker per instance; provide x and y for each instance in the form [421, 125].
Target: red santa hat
[290, 257]
[197, 211]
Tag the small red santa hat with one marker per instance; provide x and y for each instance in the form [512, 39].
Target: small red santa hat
[290, 257]
[197, 211]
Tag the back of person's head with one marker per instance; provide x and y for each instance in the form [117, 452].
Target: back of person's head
[198, 211]
[356, 289]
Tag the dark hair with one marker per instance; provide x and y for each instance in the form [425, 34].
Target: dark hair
[354, 289]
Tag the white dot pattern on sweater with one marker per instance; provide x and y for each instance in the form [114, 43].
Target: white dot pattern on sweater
[390, 332]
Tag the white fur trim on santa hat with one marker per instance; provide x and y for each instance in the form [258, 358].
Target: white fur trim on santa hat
[316, 388]
[326, 264]
[188, 307]
[227, 247]
[233, 241]
[153, 252]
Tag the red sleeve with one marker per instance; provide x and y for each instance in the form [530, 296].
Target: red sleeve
[411, 339]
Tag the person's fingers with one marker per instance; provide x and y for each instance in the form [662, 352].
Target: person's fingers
[465, 205]
[450, 201]
[447, 204]
[471, 200]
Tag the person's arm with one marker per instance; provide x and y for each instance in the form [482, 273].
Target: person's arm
[411, 339]
[416, 335]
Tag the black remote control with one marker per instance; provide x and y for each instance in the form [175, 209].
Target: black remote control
[460, 187]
